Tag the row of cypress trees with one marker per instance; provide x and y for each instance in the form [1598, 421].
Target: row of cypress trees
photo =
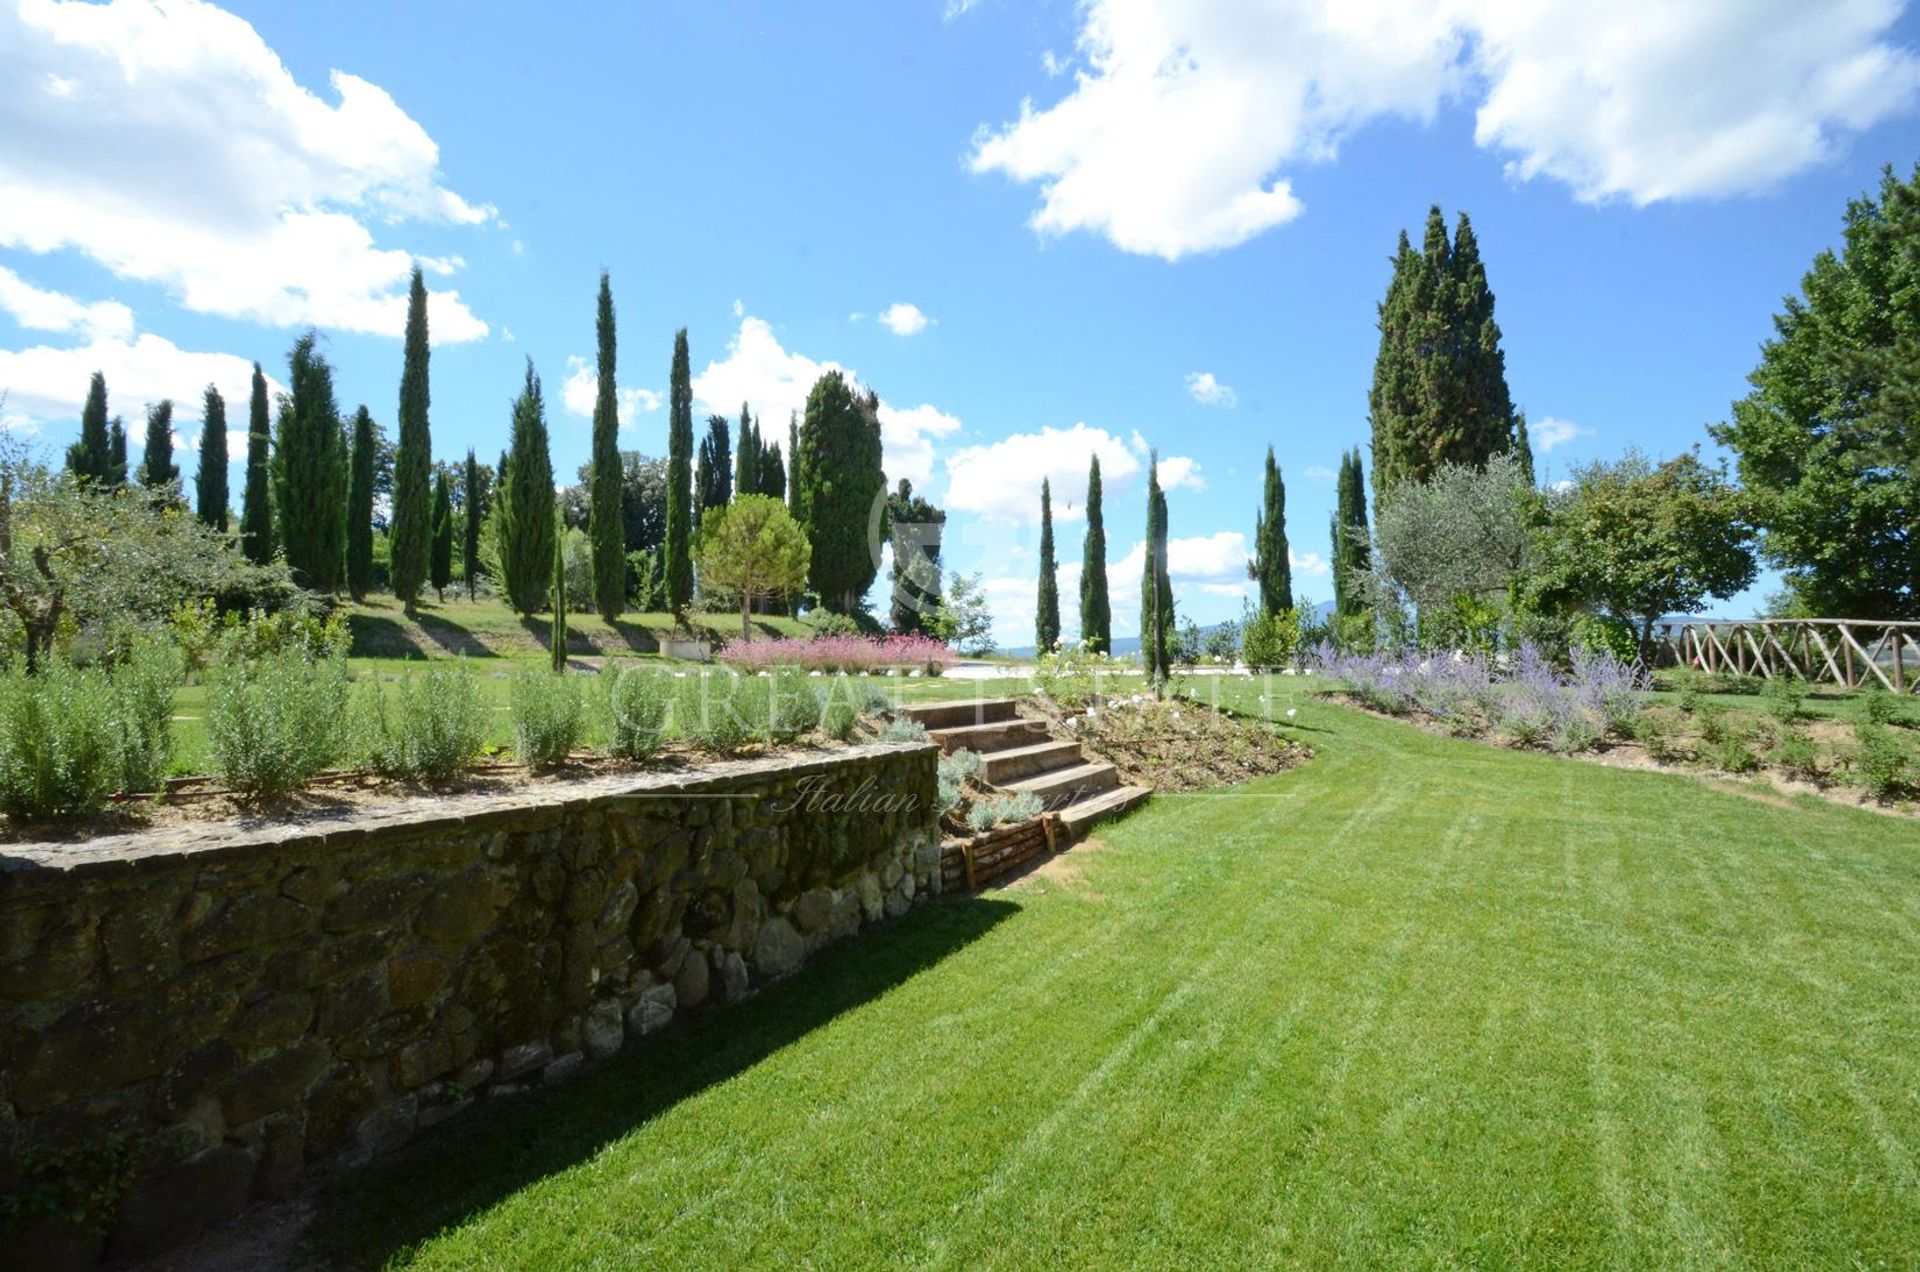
[1096, 614]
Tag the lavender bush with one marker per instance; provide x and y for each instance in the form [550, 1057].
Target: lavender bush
[842, 652]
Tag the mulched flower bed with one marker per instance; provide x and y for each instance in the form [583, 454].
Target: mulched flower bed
[1171, 744]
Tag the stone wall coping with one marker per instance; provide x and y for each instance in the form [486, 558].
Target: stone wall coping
[25, 865]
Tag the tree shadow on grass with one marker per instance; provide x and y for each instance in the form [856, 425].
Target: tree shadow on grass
[377, 636]
[451, 636]
[371, 1217]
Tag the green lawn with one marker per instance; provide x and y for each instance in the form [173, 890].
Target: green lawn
[1420, 1003]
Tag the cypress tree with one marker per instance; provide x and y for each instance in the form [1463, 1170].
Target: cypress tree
[310, 471]
[117, 452]
[527, 513]
[680, 478]
[1046, 622]
[1439, 392]
[91, 458]
[210, 481]
[1096, 617]
[746, 456]
[442, 565]
[773, 471]
[471, 501]
[1156, 590]
[839, 477]
[158, 472]
[557, 639]
[605, 525]
[1270, 566]
[1352, 552]
[1523, 449]
[256, 505]
[713, 479]
[360, 467]
[915, 528]
[412, 526]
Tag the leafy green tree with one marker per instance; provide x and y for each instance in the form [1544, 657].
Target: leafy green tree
[840, 482]
[1352, 548]
[310, 470]
[91, 458]
[1439, 392]
[1046, 622]
[713, 478]
[679, 541]
[442, 566]
[915, 528]
[256, 505]
[210, 481]
[1096, 616]
[1157, 624]
[158, 472]
[1826, 441]
[473, 504]
[1637, 540]
[964, 621]
[752, 548]
[526, 514]
[605, 524]
[360, 506]
[1461, 534]
[117, 469]
[1272, 567]
[412, 527]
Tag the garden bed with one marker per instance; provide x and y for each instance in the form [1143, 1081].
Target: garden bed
[1172, 745]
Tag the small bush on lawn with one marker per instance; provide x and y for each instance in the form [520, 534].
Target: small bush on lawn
[276, 721]
[1732, 754]
[711, 711]
[1711, 718]
[1880, 762]
[143, 689]
[1004, 810]
[58, 752]
[1796, 753]
[548, 717]
[635, 701]
[1656, 733]
[1877, 706]
[1786, 698]
[433, 729]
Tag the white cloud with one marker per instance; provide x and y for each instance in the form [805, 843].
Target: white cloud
[958, 9]
[1180, 471]
[581, 389]
[1001, 480]
[170, 144]
[906, 441]
[1321, 473]
[1552, 433]
[1053, 64]
[1177, 138]
[51, 384]
[739, 308]
[1208, 391]
[903, 319]
[39, 310]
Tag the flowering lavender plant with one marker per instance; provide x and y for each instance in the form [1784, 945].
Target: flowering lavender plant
[848, 653]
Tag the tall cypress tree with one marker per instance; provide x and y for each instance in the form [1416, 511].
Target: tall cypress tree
[91, 458]
[746, 456]
[256, 505]
[360, 466]
[412, 524]
[310, 469]
[1523, 448]
[680, 478]
[605, 525]
[1439, 392]
[713, 479]
[527, 508]
[1156, 589]
[840, 477]
[158, 472]
[1352, 552]
[915, 528]
[1096, 616]
[440, 571]
[557, 637]
[117, 452]
[1046, 621]
[773, 471]
[472, 502]
[210, 480]
[1270, 566]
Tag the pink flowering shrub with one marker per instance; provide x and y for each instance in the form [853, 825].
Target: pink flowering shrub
[849, 653]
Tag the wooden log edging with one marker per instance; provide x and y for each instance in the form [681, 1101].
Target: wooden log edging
[1852, 653]
[967, 865]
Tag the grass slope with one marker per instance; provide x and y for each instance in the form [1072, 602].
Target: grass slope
[1420, 1003]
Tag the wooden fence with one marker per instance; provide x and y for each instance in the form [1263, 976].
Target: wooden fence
[1841, 651]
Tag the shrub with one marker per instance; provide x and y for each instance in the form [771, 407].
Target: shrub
[1601, 633]
[1004, 810]
[826, 622]
[1786, 698]
[1796, 753]
[963, 763]
[58, 752]
[794, 708]
[1070, 676]
[1270, 641]
[635, 702]
[1879, 760]
[1732, 754]
[143, 689]
[433, 729]
[1656, 733]
[274, 722]
[1877, 706]
[1711, 718]
[707, 711]
[843, 652]
[902, 729]
[837, 718]
[548, 717]
[1574, 734]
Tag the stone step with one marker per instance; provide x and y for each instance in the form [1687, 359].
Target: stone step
[1002, 767]
[953, 715]
[999, 735]
[1062, 786]
[1078, 816]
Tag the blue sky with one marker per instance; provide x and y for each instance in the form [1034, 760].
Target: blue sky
[1199, 188]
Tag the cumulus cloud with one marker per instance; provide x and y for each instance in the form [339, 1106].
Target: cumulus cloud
[907, 437]
[1177, 137]
[40, 310]
[1321, 473]
[581, 389]
[51, 384]
[1203, 388]
[170, 144]
[903, 319]
[1181, 472]
[1001, 480]
[1553, 432]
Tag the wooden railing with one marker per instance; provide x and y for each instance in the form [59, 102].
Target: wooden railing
[1856, 653]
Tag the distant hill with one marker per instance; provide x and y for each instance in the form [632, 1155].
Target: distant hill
[1131, 644]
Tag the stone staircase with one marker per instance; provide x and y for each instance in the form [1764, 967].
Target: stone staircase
[1020, 755]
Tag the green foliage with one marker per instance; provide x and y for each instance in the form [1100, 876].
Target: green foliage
[1046, 623]
[78, 1188]
[1157, 622]
[718, 711]
[1271, 567]
[360, 473]
[310, 471]
[901, 729]
[256, 511]
[1602, 632]
[91, 458]
[1459, 532]
[411, 531]
[752, 550]
[1004, 810]
[524, 512]
[1796, 753]
[116, 454]
[1072, 676]
[1439, 394]
[210, 480]
[1352, 548]
[1825, 439]
[59, 756]
[158, 472]
[1269, 642]
[1222, 643]
[713, 473]
[549, 717]
[1656, 732]
[1877, 706]
[1096, 613]
[839, 711]
[679, 525]
[442, 563]
[473, 514]
[839, 467]
[606, 522]
[434, 726]
[1732, 753]
[635, 702]
[276, 721]
[557, 590]
[963, 619]
[143, 692]
[1786, 698]
[916, 528]
[1880, 761]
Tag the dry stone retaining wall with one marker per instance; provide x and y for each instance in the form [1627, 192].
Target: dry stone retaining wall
[241, 1009]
